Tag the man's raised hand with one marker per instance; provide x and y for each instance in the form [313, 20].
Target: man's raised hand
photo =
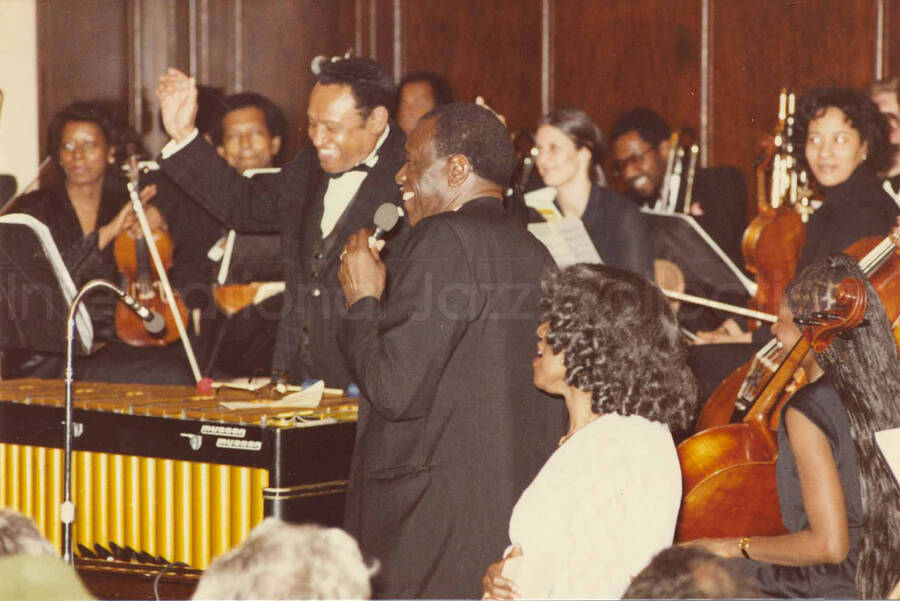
[177, 95]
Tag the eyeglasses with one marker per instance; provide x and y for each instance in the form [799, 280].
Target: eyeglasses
[84, 145]
[621, 165]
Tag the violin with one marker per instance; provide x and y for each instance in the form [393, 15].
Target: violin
[728, 471]
[143, 283]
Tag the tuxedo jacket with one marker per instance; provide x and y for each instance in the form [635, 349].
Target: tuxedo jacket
[451, 428]
[291, 203]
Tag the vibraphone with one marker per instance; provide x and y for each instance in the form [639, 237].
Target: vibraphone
[167, 472]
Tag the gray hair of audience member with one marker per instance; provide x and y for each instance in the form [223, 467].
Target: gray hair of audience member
[289, 561]
[20, 536]
[691, 573]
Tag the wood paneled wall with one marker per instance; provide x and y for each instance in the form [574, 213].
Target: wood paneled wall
[713, 65]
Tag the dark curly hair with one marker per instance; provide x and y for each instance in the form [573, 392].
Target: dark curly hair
[621, 342]
[476, 132]
[94, 112]
[578, 127]
[865, 370]
[649, 125]
[861, 112]
[371, 84]
[275, 120]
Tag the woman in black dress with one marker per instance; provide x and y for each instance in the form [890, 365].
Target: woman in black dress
[837, 496]
[85, 213]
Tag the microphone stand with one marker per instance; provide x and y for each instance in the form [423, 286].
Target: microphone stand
[67, 509]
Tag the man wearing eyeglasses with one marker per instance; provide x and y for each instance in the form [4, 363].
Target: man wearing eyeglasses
[640, 142]
[885, 94]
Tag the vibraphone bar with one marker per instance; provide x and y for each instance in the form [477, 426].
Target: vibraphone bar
[165, 471]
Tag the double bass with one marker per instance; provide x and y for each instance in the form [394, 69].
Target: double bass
[728, 471]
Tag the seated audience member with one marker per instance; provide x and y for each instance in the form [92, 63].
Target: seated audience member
[569, 148]
[289, 561]
[85, 214]
[640, 142]
[29, 565]
[838, 498]
[419, 92]
[691, 573]
[19, 535]
[607, 500]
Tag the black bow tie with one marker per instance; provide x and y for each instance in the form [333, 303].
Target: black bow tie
[362, 168]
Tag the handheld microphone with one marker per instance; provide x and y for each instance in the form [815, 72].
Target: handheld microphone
[386, 217]
[153, 321]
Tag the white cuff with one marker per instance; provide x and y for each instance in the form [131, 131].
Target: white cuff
[172, 146]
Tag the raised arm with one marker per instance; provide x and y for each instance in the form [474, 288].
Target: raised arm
[244, 204]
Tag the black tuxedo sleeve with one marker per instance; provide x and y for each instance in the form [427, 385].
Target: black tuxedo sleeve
[245, 204]
[397, 348]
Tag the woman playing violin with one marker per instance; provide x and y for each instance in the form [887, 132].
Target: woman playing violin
[85, 214]
[837, 496]
[606, 501]
[569, 148]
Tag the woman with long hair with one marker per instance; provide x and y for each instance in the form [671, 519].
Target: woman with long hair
[607, 500]
[838, 498]
[569, 146]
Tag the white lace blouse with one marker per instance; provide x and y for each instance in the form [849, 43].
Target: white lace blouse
[604, 503]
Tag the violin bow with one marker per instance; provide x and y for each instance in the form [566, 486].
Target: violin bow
[138, 207]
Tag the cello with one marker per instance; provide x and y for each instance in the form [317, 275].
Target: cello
[728, 471]
[143, 283]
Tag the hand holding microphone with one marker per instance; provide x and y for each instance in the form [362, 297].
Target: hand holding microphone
[362, 272]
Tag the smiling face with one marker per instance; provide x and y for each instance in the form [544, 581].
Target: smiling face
[246, 140]
[423, 179]
[559, 161]
[641, 164]
[549, 367]
[342, 137]
[833, 147]
[84, 152]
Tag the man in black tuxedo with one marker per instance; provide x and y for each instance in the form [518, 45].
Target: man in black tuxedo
[328, 191]
[451, 428]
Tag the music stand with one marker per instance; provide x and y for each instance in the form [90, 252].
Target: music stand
[35, 290]
[680, 239]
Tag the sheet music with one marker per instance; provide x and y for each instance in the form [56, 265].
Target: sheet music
[746, 282]
[84, 329]
[567, 240]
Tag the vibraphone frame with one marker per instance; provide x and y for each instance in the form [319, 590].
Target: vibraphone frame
[165, 471]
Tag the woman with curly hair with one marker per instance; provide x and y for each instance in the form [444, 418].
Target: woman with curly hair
[845, 141]
[607, 500]
[85, 213]
[838, 498]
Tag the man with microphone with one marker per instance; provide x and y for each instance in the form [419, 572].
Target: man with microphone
[451, 428]
[328, 191]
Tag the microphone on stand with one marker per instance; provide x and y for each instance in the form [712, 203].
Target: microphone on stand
[153, 321]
